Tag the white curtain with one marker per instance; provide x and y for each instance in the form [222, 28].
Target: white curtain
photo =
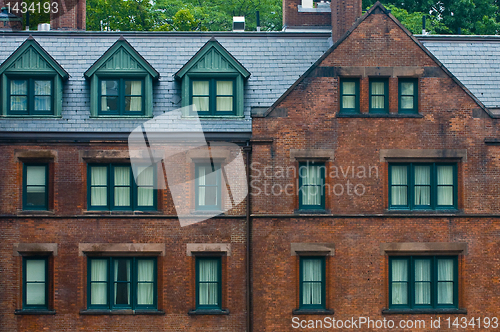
[122, 289]
[422, 281]
[422, 185]
[42, 95]
[122, 186]
[399, 281]
[135, 104]
[201, 91]
[145, 186]
[145, 281]
[99, 278]
[208, 286]
[19, 92]
[445, 185]
[445, 281]
[201, 185]
[224, 88]
[399, 182]
[406, 95]
[311, 291]
[378, 98]
[311, 185]
[35, 282]
[348, 95]
[99, 177]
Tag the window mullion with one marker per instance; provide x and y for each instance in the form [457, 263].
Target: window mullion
[213, 96]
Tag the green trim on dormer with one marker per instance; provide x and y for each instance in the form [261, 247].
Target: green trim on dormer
[31, 61]
[121, 62]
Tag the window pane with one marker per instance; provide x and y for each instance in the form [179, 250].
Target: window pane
[99, 278]
[145, 177]
[312, 278]
[122, 176]
[19, 87]
[98, 177]
[133, 104]
[445, 185]
[43, 88]
[35, 270]
[422, 281]
[445, 175]
[109, 88]
[208, 275]
[224, 88]
[109, 104]
[35, 294]
[145, 189]
[407, 88]
[122, 281]
[422, 185]
[42, 103]
[378, 88]
[35, 175]
[133, 88]
[224, 104]
[378, 101]
[399, 281]
[348, 88]
[348, 102]
[311, 184]
[18, 103]
[145, 278]
[399, 181]
[407, 102]
[200, 88]
[201, 104]
[445, 281]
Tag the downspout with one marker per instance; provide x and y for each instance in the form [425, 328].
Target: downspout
[248, 151]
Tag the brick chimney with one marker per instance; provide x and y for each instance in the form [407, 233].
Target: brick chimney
[320, 15]
[70, 16]
[344, 14]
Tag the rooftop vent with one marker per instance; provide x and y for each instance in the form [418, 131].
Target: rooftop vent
[44, 27]
[239, 23]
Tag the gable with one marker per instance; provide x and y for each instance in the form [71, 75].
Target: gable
[377, 45]
[211, 58]
[31, 57]
[121, 57]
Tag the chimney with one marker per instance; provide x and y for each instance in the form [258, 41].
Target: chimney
[306, 15]
[69, 16]
[344, 14]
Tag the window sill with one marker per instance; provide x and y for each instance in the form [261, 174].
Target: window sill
[380, 115]
[35, 213]
[31, 117]
[424, 212]
[311, 211]
[424, 311]
[98, 312]
[35, 312]
[214, 117]
[313, 312]
[121, 213]
[100, 117]
[207, 212]
[208, 312]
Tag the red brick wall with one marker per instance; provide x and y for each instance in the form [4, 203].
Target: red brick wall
[70, 16]
[344, 14]
[292, 17]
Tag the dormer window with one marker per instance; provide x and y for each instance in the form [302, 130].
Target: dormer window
[121, 83]
[212, 83]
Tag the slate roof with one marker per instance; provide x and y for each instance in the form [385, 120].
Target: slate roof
[474, 60]
[275, 61]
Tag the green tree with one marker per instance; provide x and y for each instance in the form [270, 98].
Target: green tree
[119, 15]
[413, 21]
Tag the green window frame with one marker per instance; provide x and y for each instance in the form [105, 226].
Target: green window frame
[28, 97]
[349, 95]
[34, 187]
[121, 96]
[408, 95]
[310, 187]
[423, 186]
[379, 100]
[312, 288]
[108, 189]
[213, 97]
[207, 193]
[35, 281]
[116, 283]
[208, 283]
[423, 282]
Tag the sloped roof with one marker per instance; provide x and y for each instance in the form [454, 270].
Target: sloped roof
[474, 60]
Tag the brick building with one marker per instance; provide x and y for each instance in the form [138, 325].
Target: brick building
[372, 164]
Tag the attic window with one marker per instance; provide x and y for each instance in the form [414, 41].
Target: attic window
[212, 83]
